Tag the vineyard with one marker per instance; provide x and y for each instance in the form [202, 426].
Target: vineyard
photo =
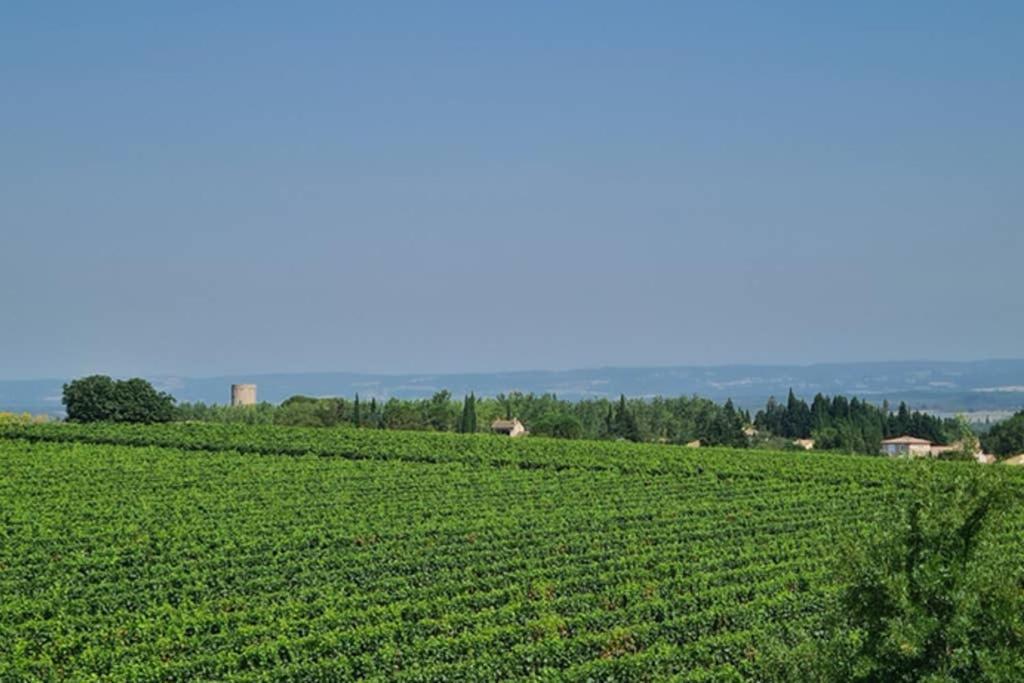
[224, 552]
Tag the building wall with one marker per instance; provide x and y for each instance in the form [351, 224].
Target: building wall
[906, 449]
[243, 394]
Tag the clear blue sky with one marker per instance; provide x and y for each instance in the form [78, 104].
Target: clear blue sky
[209, 188]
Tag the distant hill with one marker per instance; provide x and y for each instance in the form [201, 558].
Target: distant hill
[992, 385]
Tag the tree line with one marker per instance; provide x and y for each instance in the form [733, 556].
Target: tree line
[835, 423]
[839, 423]
[667, 420]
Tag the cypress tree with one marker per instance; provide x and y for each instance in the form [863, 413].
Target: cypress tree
[464, 418]
[357, 416]
[625, 425]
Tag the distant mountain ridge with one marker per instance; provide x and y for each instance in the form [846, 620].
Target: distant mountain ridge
[941, 386]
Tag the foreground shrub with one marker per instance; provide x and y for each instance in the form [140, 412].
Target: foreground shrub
[929, 599]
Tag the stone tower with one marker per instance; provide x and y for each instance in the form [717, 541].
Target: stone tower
[243, 394]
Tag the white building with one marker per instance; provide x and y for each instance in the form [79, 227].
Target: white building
[907, 445]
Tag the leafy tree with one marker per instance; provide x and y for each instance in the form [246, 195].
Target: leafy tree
[100, 398]
[726, 428]
[797, 420]
[1006, 437]
[966, 441]
[90, 399]
[930, 599]
[398, 414]
[439, 412]
[558, 425]
[138, 401]
[624, 424]
[609, 422]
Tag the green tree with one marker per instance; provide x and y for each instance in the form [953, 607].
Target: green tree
[439, 413]
[559, 426]
[927, 598]
[965, 440]
[624, 424]
[374, 416]
[100, 398]
[90, 399]
[467, 422]
[1006, 437]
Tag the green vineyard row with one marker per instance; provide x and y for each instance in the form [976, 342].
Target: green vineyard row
[188, 551]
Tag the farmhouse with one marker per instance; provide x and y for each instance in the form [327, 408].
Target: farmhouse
[906, 445]
[806, 444]
[511, 427]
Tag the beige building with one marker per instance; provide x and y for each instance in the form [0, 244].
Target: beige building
[511, 427]
[907, 445]
[806, 444]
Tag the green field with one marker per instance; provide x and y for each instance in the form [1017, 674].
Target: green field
[184, 552]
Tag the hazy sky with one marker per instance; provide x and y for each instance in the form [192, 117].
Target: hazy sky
[214, 188]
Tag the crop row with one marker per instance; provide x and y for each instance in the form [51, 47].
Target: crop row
[146, 562]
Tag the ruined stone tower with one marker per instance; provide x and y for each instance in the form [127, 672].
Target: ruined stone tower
[243, 394]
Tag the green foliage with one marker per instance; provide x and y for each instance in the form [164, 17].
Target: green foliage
[559, 426]
[624, 424]
[666, 420]
[849, 425]
[261, 413]
[439, 412]
[236, 552]
[965, 441]
[1006, 438]
[726, 429]
[467, 421]
[934, 597]
[22, 418]
[99, 398]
